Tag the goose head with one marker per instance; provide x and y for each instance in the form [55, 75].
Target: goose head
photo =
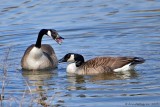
[54, 35]
[73, 58]
[49, 32]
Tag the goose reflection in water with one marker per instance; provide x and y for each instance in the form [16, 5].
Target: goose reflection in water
[115, 76]
[78, 81]
[37, 79]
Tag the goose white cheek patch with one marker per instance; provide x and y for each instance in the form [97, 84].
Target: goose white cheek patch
[71, 59]
[49, 33]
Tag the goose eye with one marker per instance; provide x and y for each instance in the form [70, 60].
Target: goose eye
[68, 56]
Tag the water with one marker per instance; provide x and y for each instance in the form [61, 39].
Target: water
[91, 28]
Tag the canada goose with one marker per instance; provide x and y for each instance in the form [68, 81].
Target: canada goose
[99, 64]
[37, 56]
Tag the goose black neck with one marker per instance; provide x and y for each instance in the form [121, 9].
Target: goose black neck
[79, 60]
[39, 39]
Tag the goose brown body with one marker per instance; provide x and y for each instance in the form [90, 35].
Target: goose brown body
[99, 64]
[48, 51]
[103, 64]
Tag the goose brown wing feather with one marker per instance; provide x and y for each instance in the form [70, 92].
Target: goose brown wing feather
[48, 49]
[109, 63]
[49, 52]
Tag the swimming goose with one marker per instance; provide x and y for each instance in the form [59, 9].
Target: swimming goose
[37, 56]
[99, 64]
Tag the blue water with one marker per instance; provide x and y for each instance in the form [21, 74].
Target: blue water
[91, 28]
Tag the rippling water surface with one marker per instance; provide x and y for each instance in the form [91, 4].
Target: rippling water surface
[92, 28]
